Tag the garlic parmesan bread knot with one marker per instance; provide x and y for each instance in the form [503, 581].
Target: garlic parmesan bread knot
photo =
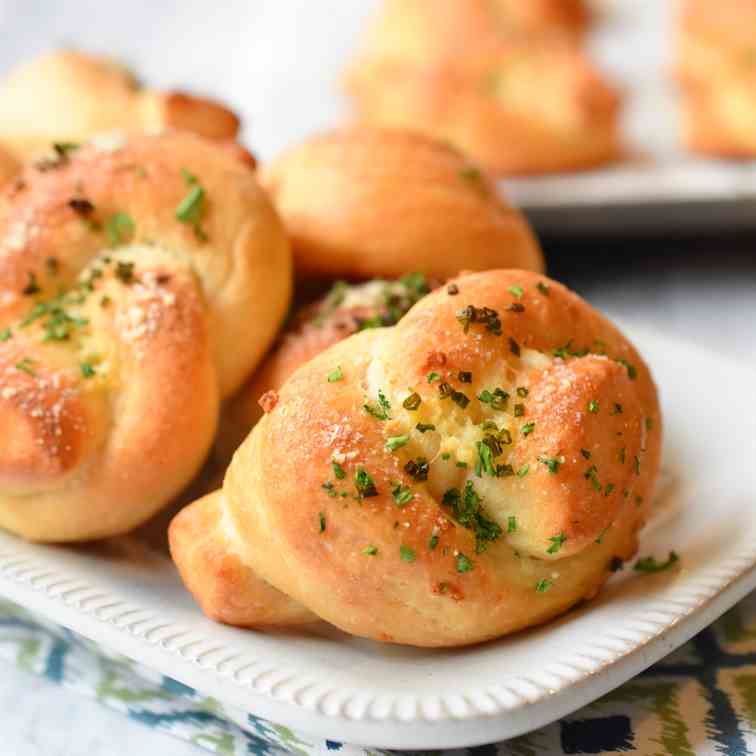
[138, 287]
[346, 309]
[476, 469]
[386, 202]
[518, 103]
[69, 96]
[716, 68]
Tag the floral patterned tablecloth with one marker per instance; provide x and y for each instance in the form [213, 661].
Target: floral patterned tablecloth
[699, 700]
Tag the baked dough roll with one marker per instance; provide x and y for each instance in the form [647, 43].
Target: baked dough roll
[716, 68]
[139, 286]
[68, 96]
[527, 108]
[477, 469]
[344, 310]
[367, 203]
[420, 32]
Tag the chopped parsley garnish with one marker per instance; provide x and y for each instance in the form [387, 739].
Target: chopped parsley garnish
[335, 375]
[417, 468]
[649, 564]
[468, 511]
[586, 454]
[632, 371]
[433, 542]
[515, 290]
[5, 334]
[484, 316]
[528, 428]
[380, 410]
[593, 406]
[637, 464]
[406, 553]
[396, 442]
[321, 522]
[523, 471]
[616, 409]
[364, 484]
[370, 550]
[26, 366]
[543, 585]
[590, 474]
[608, 489]
[461, 464]
[486, 453]
[402, 495]
[511, 524]
[412, 402]
[556, 543]
[57, 323]
[514, 347]
[120, 228]
[425, 427]
[464, 563]
[329, 488]
[338, 471]
[87, 370]
[191, 209]
[543, 287]
[552, 463]
[446, 456]
[497, 399]
[433, 377]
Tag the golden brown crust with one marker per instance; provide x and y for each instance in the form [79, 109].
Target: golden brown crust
[69, 96]
[9, 166]
[123, 326]
[445, 217]
[540, 107]
[202, 546]
[574, 446]
[716, 69]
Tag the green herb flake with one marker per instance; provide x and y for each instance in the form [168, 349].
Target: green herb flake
[593, 406]
[556, 543]
[586, 454]
[649, 565]
[192, 207]
[6, 334]
[527, 429]
[543, 287]
[407, 554]
[543, 585]
[26, 366]
[396, 442]
[523, 471]
[515, 291]
[632, 371]
[338, 470]
[364, 484]
[464, 563]
[433, 542]
[87, 370]
[432, 377]
[637, 464]
[511, 524]
[402, 495]
[370, 550]
[616, 409]
[335, 375]
[321, 522]
[380, 410]
[412, 402]
[120, 227]
[552, 463]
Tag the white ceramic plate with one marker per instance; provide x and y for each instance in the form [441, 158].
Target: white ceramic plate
[130, 599]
